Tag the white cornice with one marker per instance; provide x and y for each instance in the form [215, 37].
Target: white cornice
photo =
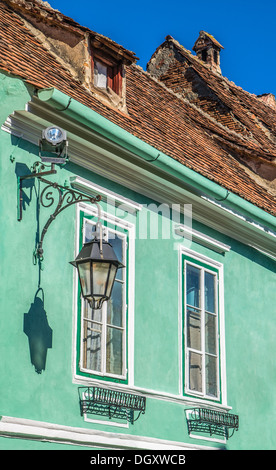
[21, 428]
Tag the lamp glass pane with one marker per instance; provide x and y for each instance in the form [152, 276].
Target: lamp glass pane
[100, 277]
[84, 275]
[112, 275]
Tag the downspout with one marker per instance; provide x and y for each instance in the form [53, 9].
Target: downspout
[93, 120]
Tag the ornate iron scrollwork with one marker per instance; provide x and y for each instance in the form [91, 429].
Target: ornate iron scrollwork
[51, 193]
[66, 197]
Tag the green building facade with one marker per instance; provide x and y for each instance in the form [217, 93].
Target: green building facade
[159, 343]
[182, 355]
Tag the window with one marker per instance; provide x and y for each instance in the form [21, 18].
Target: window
[100, 74]
[201, 329]
[102, 333]
[107, 75]
[215, 57]
[204, 55]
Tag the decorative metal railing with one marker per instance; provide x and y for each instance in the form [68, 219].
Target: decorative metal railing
[204, 420]
[111, 403]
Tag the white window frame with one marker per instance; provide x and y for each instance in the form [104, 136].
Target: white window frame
[201, 352]
[184, 369]
[103, 323]
[128, 362]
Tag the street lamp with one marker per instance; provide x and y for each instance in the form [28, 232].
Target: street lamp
[96, 263]
[97, 266]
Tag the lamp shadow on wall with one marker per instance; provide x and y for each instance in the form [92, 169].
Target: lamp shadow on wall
[39, 333]
[35, 325]
[28, 185]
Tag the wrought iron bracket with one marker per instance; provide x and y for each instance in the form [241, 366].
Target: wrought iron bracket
[111, 403]
[204, 420]
[52, 193]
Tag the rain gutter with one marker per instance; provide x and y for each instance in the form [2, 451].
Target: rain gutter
[91, 119]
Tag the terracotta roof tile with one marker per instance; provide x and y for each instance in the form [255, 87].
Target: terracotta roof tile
[156, 115]
[234, 108]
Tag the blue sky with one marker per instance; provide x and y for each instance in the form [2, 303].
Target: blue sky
[246, 29]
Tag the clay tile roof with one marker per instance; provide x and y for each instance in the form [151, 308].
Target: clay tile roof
[156, 114]
[248, 123]
[47, 14]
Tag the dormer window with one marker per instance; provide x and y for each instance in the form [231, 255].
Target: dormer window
[107, 75]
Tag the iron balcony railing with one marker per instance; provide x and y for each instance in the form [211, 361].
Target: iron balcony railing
[111, 403]
[204, 420]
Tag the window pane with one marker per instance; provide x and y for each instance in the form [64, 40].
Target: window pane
[195, 372]
[210, 292]
[92, 345]
[100, 75]
[211, 376]
[115, 305]
[193, 329]
[114, 344]
[193, 286]
[90, 314]
[117, 245]
[89, 231]
[210, 334]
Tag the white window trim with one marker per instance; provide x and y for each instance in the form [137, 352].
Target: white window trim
[92, 211]
[103, 372]
[203, 351]
[219, 266]
[201, 239]
[108, 196]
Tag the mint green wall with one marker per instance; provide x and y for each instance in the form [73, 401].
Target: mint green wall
[250, 324]
[52, 396]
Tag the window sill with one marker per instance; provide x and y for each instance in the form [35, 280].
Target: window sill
[194, 395]
[187, 401]
[88, 376]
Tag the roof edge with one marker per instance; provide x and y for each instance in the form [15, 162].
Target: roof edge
[81, 113]
[47, 14]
